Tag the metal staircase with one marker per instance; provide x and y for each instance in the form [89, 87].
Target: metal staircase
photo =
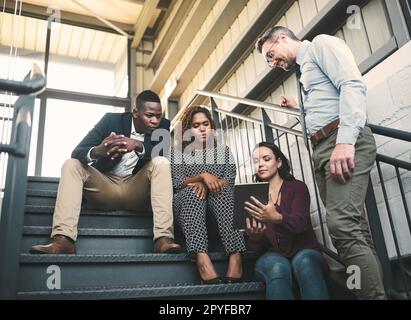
[115, 261]
[114, 258]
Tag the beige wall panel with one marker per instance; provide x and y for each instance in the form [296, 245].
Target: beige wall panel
[282, 22]
[41, 35]
[261, 3]
[106, 47]
[241, 80]
[278, 117]
[95, 47]
[200, 75]
[308, 10]
[235, 31]
[87, 42]
[232, 86]
[227, 42]
[290, 86]
[232, 90]
[260, 64]
[293, 17]
[321, 4]
[220, 51]
[64, 41]
[19, 35]
[250, 70]
[224, 90]
[252, 8]
[356, 39]
[376, 24]
[340, 34]
[29, 39]
[195, 83]
[207, 68]
[213, 62]
[243, 19]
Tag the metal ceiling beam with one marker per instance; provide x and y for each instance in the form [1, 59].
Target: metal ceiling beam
[74, 19]
[162, 5]
[105, 21]
[143, 21]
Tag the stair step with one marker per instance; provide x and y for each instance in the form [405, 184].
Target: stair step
[42, 183]
[107, 241]
[244, 290]
[96, 241]
[42, 215]
[79, 271]
[41, 197]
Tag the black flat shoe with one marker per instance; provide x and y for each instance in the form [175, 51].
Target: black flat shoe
[232, 280]
[216, 280]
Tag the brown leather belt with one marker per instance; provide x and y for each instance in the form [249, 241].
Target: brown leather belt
[324, 132]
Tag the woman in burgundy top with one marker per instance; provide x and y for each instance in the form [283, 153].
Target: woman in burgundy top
[281, 230]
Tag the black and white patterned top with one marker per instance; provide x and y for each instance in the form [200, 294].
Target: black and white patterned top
[217, 161]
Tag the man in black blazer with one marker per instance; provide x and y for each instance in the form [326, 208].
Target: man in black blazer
[114, 167]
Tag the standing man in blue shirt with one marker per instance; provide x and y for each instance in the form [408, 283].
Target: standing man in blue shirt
[333, 98]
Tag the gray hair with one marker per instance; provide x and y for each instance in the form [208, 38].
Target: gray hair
[272, 33]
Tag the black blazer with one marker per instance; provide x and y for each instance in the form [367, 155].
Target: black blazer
[119, 123]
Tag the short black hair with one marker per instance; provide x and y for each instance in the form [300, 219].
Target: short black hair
[272, 33]
[146, 96]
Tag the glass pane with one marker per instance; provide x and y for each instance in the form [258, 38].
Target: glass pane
[86, 60]
[67, 122]
[33, 141]
[27, 37]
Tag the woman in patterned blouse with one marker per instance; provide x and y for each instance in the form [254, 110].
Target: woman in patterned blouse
[203, 179]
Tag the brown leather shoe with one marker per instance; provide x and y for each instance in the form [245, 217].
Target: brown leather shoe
[166, 245]
[58, 245]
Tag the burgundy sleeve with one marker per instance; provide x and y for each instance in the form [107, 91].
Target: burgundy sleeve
[298, 219]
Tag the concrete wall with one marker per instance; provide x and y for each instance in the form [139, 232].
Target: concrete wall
[389, 105]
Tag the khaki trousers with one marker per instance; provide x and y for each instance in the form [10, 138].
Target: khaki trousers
[346, 220]
[152, 184]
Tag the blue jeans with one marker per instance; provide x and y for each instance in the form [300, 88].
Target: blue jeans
[307, 267]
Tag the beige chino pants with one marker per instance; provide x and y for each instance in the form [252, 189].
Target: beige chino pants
[151, 184]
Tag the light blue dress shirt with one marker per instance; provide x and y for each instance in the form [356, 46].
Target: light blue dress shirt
[332, 87]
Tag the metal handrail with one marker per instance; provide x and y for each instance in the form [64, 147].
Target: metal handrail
[390, 132]
[253, 103]
[12, 209]
[35, 84]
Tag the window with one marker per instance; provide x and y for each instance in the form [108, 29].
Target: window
[87, 61]
[67, 122]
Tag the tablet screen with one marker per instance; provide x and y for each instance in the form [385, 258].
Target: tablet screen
[242, 193]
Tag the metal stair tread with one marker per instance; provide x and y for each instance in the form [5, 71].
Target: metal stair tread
[147, 291]
[42, 192]
[36, 230]
[117, 213]
[118, 258]
[42, 179]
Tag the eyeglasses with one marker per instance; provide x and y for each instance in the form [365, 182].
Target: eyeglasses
[269, 56]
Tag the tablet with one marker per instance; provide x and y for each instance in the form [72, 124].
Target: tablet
[242, 193]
